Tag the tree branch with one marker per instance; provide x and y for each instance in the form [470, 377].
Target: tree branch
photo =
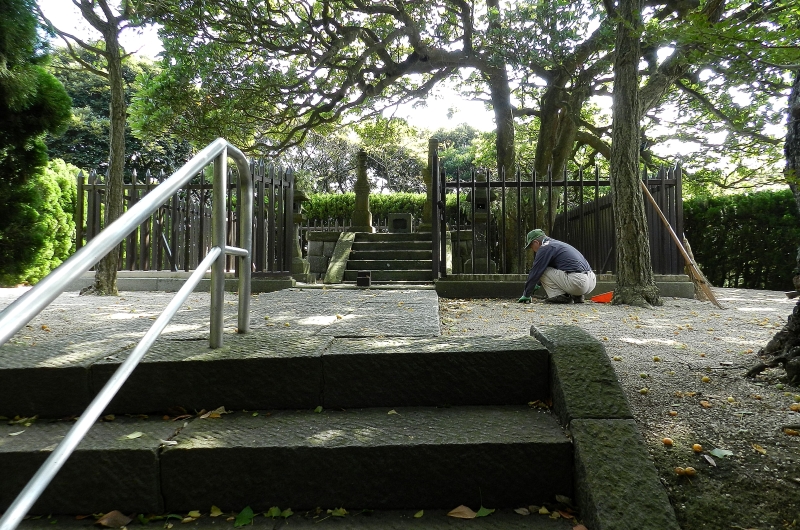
[709, 106]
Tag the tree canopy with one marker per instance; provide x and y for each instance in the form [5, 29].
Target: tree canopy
[264, 75]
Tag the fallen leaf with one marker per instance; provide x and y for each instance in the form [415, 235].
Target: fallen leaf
[759, 449]
[794, 407]
[318, 409]
[114, 519]
[245, 517]
[339, 512]
[187, 519]
[194, 513]
[419, 514]
[339, 317]
[791, 432]
[579, 527]
[544, 511]
[566, 515]
[720, 453]
[131, 436]
[483, 512]
[705, 404]
[392, 412]
[15, 433]
[45, 328]
[710, 460]
[273, 512]
[168, 442]
[215, 511]
[287, 513]
[564, 500]
[522, 511]
[461, 512]
[109, 417]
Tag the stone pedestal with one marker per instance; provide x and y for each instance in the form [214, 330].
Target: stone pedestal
[362, 217]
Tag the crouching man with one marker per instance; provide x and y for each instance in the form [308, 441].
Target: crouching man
[563, 271]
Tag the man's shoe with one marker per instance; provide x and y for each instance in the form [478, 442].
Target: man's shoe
[577, 299]
[560, 299]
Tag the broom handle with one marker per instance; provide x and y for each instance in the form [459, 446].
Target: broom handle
[689, 261]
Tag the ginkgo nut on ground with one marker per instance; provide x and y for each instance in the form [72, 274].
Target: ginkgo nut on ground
[697, 448]
[706, 379]
[690, 471]
[680, 471]
[667, 441]
[673, 413]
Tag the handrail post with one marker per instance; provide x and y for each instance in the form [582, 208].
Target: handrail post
[218, 235]
[244, 205]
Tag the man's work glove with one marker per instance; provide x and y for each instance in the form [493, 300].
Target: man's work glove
[524, 299]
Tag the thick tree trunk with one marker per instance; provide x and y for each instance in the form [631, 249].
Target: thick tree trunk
[105, 279]
[635, 281]
[785, 345]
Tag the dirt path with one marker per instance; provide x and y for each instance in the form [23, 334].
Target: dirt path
[681, 367]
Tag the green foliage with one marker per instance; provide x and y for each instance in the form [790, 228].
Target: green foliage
[85, 143]
[327, 207]
[34, 228]
[747, 241]
[37, 226]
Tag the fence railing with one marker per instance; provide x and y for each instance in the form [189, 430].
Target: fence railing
[178, 235]
[492, 216]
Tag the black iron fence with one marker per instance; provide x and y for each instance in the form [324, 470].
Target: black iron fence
[178, 235]
[492, 216]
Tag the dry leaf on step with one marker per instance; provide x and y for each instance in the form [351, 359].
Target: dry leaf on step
[462, 512]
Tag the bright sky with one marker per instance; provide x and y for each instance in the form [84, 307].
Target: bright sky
[66, 17]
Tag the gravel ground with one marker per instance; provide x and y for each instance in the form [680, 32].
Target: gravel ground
[680, 365]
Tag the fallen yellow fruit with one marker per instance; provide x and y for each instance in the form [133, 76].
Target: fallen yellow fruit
[690, 471]
[706, 379]
[680, 471]
[673, 413]
[667, 442]
[697, 448]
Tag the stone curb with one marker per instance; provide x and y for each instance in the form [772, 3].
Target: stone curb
[616, 483]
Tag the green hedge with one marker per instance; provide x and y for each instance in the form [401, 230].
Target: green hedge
[37, 226]
[325, 207]
[748, 241]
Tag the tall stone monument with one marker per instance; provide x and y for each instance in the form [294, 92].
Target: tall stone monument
[362, 217]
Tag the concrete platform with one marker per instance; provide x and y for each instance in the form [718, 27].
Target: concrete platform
[510, 285]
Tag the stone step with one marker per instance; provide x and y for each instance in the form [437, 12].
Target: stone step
[290, 369]
[392, 254]
[359, 264]
[392, 237]
[392, 245]
[376, 458]
[378, 276]
[355, 519]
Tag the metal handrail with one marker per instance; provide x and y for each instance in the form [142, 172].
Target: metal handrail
[25, 308]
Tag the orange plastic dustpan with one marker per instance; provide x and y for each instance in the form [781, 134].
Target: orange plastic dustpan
[603, 298]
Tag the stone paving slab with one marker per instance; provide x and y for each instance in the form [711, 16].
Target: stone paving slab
[412, 458]
[438, 371]
[105, 473]
[48, 368]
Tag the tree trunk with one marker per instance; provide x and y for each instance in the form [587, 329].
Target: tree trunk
[105, 278]
[790, 334]
[635, 281]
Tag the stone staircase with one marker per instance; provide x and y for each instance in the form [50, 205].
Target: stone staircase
[311, 418]
[391, 257]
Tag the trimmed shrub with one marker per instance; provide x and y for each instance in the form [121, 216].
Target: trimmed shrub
[748, 241]
[37, 224]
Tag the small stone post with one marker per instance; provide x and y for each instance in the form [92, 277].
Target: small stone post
[362, 217]
[300, 266]
[427, 211]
